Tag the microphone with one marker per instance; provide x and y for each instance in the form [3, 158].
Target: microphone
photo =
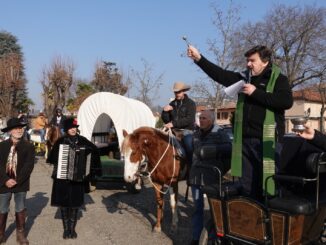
[249, 76]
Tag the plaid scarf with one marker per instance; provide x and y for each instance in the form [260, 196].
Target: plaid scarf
[11, 166]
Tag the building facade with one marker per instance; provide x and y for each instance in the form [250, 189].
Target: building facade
[307, 102]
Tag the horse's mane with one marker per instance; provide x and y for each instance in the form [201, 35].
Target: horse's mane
[133, 137]
[152, 131]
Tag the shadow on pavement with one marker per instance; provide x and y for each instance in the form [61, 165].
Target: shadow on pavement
[117, 185]
[34, 205]
[144, 205]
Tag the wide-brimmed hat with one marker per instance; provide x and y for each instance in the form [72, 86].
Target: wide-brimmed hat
[70, 123]
[13, 123]
[180, 86]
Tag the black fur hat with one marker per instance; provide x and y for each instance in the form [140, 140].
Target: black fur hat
[70, 123]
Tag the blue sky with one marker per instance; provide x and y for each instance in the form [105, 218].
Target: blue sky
[119, 31]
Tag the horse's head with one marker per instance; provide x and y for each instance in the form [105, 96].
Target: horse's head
[133, 149]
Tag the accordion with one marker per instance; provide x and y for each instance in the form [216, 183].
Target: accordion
[73, 164]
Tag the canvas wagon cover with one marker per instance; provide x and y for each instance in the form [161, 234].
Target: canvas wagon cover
[126, 113]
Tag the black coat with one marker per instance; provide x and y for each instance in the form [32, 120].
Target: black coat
[293, 162]
[183, 114]
[214, 137]
[25, 165]
[67, 193]
[54, 121]
[319, 140]
[255, 105]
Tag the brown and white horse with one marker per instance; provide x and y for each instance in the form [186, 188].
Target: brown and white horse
[52, 134]
[156, 149]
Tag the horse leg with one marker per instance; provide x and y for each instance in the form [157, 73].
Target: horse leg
[159, 203]
[174, 206]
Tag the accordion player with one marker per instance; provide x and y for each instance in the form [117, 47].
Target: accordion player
[73, 163]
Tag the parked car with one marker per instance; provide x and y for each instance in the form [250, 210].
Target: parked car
[229, 130]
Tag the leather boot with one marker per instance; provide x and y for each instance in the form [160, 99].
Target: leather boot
[65, 222]
[73, 221]
[3, 221]
[20, 228]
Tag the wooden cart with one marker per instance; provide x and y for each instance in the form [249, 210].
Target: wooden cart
[288, 218]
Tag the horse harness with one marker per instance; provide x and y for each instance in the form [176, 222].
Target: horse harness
[143, 166]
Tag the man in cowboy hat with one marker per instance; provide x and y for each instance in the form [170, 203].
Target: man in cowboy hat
[17, 158]
[58, 119]
[66, 194]
[180, 114]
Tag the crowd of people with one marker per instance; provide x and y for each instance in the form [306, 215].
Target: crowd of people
[17, 161]
[259, 119]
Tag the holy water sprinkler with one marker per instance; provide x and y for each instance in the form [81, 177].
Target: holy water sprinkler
[186, 40]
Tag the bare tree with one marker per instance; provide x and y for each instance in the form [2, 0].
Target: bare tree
[322, 91]
[146, 84]
[56, 82]
[296, 35]
[83, 90]
[108, 78]
[221, 47]
[11, 82]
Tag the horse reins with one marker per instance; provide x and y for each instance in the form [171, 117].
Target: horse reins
[148, 174]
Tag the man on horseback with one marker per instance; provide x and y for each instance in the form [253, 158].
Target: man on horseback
[180, 114]
[58, 119]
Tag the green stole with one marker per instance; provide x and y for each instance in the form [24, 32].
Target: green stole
[268, 137]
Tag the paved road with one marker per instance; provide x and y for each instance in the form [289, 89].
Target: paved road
[110, 216]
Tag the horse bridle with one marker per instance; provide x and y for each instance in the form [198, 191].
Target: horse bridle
[143, 166]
